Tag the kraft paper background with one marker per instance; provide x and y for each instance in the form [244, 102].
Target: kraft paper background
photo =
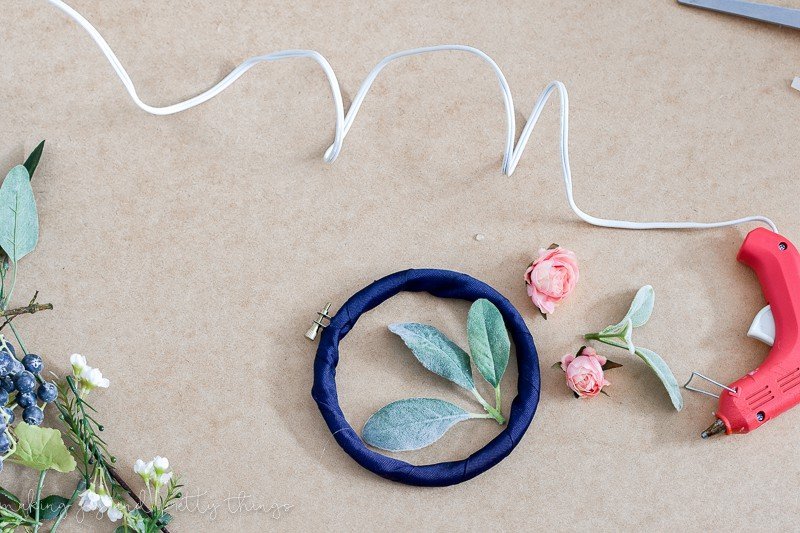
[186, 255]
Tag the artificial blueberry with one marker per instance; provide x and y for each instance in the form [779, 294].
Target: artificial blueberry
[32, 415]
[10, 348]
[5, 444]
[3, 396]
[16, 366]
[7, 384]
[6, 363]
[10, 414]
[26, 399]
[47, 392]
[32, 363]
[24, 381]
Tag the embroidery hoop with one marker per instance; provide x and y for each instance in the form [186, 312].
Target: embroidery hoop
[441, 284]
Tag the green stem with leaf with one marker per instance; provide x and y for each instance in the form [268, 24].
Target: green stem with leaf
[494, 412]
[39, 500]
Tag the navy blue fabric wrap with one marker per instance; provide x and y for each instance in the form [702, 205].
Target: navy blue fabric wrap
[442, 284]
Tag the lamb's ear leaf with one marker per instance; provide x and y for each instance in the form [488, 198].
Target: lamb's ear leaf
[488, 340]
[436, 352]
[411, 424]
[641, 306]
[663, 372]
[639, 312]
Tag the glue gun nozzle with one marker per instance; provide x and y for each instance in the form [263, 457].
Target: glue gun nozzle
[717, 427]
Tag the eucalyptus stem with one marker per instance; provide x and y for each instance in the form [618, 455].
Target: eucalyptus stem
[7, 299]
[498, 399]
[39, 500]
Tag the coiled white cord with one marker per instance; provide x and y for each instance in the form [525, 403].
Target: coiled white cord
[344, 121]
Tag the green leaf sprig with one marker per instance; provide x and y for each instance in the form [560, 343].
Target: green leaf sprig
[414, 423]
[620, 335]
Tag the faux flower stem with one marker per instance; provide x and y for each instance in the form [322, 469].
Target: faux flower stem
[496, 414]
[80, 487]
[498, 399]
[39, 500]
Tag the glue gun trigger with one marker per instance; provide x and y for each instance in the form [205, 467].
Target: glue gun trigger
[763, 327]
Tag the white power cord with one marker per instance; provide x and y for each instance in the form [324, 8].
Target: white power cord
[344, 121]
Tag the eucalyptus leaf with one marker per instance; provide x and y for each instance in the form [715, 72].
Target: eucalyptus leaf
[19, 221]
[33, 160]
[411, 424]
[663, 372]
[488, 340]
[41, 449]
[436, 352]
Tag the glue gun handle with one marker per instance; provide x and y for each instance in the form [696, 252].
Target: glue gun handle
[776, 263]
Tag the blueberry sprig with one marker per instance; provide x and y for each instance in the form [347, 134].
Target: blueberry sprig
[21, 386]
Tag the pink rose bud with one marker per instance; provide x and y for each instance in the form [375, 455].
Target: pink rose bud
[585, 373]
[551, 278]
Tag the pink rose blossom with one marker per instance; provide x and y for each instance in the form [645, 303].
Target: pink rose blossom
[551, 278]
[585, 373]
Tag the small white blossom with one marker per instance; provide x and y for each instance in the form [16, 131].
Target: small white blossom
[78, 363]
[92, 378]
[160, 464]
[145, 470]
[164, 478]
[115, 511]
[105, 502]
[89, 500]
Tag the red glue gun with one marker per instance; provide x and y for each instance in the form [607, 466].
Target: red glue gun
[773, 387]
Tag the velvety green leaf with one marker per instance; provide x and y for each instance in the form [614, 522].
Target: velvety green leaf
[642, 306]
[488, 340]
[33, 160]
[50, 507]
[19, 222]
[411, 424]
[663, 372]
[436, 352]
[41, 448]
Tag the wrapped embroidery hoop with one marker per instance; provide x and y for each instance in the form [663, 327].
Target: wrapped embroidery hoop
[442, 284]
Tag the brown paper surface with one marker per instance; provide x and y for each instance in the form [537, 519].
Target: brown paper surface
[186, 255]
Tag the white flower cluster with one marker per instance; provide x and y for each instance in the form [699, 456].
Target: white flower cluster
[96, 498]
[88, 378]
[153, 472]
